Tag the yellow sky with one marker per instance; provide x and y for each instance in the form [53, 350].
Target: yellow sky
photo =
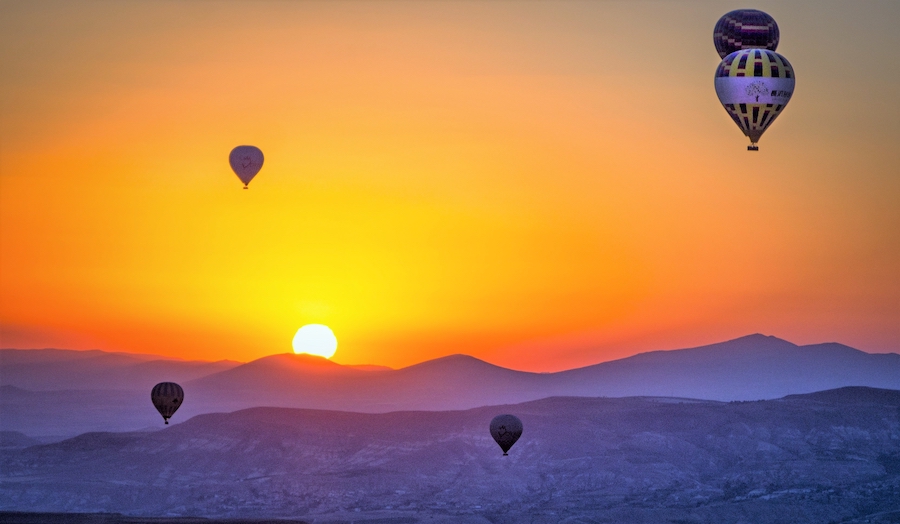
[539, 184]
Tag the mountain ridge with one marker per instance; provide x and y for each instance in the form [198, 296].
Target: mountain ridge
[753, 367]
[754, 342]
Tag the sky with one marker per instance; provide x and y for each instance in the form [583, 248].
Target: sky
[540, 184]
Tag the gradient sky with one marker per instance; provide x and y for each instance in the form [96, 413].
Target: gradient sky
[542, 185]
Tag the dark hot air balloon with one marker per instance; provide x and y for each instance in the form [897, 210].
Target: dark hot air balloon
[754, 86]
[167, 397]
[246, 161]
[506, 430]
[745, 29]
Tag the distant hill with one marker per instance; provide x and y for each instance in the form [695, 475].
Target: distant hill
[60, 414]
[14, 439]
[826, 457]
[749, 368]
[453, 382]
[61, 369]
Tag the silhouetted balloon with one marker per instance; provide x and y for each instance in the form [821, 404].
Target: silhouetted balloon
[167, 397]
[745, 29]
[754, 86]
[506, 430]
[246, 161]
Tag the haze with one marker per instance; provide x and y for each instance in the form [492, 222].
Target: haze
[541, 185]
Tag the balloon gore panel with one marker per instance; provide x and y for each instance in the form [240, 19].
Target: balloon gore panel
[745, 29]
[506, 430]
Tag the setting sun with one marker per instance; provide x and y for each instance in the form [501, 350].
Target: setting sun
[315, 339]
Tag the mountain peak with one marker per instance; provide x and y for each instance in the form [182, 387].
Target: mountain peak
[456, 360]
[294, 360]
[753, 343]
[757, 338]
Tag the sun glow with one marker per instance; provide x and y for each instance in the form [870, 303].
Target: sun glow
[315, 339]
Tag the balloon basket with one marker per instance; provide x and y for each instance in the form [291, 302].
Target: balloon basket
[245, 187]
[752, 147]
[506, 454]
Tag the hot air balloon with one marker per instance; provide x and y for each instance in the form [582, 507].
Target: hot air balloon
[754, 85]
[167, 397]
[246, 161]
[506, 430]
[745, 29]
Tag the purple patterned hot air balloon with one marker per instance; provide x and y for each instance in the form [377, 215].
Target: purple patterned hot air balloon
[246, 161]
[745, 29]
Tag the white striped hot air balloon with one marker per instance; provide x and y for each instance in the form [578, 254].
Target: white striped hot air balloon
[754, 86]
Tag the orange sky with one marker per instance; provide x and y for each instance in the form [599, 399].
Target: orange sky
[543, 185]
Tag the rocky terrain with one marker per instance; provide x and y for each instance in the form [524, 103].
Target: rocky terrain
[827, 457]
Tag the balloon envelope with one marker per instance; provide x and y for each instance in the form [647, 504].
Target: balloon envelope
[754, 86]
[167, 397]
[506, 430]
[246, 161]
[745, 29]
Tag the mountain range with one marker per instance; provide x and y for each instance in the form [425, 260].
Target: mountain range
[831, 456]
[47, 393]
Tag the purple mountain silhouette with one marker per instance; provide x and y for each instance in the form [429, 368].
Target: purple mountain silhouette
[749, 368]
